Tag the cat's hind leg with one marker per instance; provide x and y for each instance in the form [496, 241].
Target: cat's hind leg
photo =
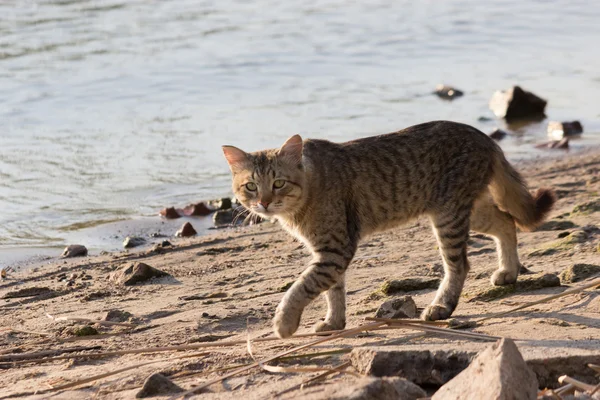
[336, 308]
[451, 229]
[487, 218]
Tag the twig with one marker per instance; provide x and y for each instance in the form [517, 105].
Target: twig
[347, 332]
[564, 390]
[432, 329]
[544, 300]
[78, 319]
[38, 354]
[578, 384]
[595, 367]
[27, 332]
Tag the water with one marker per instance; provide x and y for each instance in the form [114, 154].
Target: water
[111, 109]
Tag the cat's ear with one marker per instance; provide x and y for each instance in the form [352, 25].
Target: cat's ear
[292, 149]
[235, 157]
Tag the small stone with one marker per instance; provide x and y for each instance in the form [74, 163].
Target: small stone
[85, 330]
[74, 250]
[554, 225]
[170, 213]
[409, 285]
[516, 103]
[523, 284]
[559, 130]
[221, 204]
[73, 276]
[136, 273]
[87, 278]
[499, 372]
[186, 230]
[197, 210]
[389, 388]
[133, 241]
[498, 134]
[117, 316]
[400, 307]
[579, 272]
[160, 247]
[587, 208]
[447, 92]
[157, 384]
[223, 217]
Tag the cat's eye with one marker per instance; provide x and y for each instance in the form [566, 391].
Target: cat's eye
[251, 186]
[278, 184]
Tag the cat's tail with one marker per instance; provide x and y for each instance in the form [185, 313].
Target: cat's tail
[510, 193]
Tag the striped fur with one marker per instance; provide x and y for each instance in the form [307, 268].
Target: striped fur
[336, 194]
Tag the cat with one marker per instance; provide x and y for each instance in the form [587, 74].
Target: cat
[332, 195]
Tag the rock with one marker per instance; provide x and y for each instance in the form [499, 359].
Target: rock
[74, 250]
[30, 292]
[186, 230]
[222, 204]
[499, 372]
[85, 330]
[516, 103]
[197, 210]
[223, 217]
[559, 130]
[136, 273]
[117, 316]
[169, 213]
[160, 247]
[133, 241]
[523, 284]
[447, 92]
[579, 272]
[392, 388]
[400, 307]
[587, 208]
[409, 285]
[554, 225]
[157, 384]
[554, 144]
[498, 134]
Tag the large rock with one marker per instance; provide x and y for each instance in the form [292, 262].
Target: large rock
[516, 103]
[74, 250]
[136, 273]
[400, 307]
[156, 385]
[579, 272]
[559, 130]
[369, 389]
[499, 372]
[186, 230]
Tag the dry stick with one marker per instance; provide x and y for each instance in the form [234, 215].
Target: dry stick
[325, 374]
[578, 384]
[284, 353]
[28, 332]
[432, 329]
[595, 367]
[544, 300]
[38, 354]
[563, 390]
[182, 347]
[78, 319]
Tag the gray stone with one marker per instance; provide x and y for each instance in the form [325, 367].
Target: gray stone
[156, 385]
[117, 316]
[516, 103]
[393, 388]
[74, 250]
[558, 130]
[136, 273]
[447, 92]
[400, 307]
[498, 134]
[133, 241]
[498, 372]
[223, 217]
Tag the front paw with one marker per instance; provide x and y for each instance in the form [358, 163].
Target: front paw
[286, 322]
[502, 277]
[325, 326]
[436, 312]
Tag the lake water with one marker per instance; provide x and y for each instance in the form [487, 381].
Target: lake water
[111, 110]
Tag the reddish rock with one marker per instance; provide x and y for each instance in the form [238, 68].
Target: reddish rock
[170, 213]
[516, 103]
[558, 130]
[198, 209]
[136, 273]
[186, 230]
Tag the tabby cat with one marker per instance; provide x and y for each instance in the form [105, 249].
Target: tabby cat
[332, 195]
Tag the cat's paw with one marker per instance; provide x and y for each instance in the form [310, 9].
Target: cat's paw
[325, 326]
[436, 312]
[285, 323]
[503, 277]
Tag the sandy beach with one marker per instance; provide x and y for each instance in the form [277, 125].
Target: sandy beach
[225, 286]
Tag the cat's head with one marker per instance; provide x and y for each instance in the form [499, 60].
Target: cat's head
[269, 182]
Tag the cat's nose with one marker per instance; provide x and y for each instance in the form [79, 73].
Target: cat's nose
[265, 204]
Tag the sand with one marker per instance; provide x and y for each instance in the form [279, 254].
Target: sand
[227, 283]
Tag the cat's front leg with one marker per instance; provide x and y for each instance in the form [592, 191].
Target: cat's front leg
[319, 277]
[336, 309]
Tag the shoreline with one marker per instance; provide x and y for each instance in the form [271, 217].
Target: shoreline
[226, 284]
[109, 237]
